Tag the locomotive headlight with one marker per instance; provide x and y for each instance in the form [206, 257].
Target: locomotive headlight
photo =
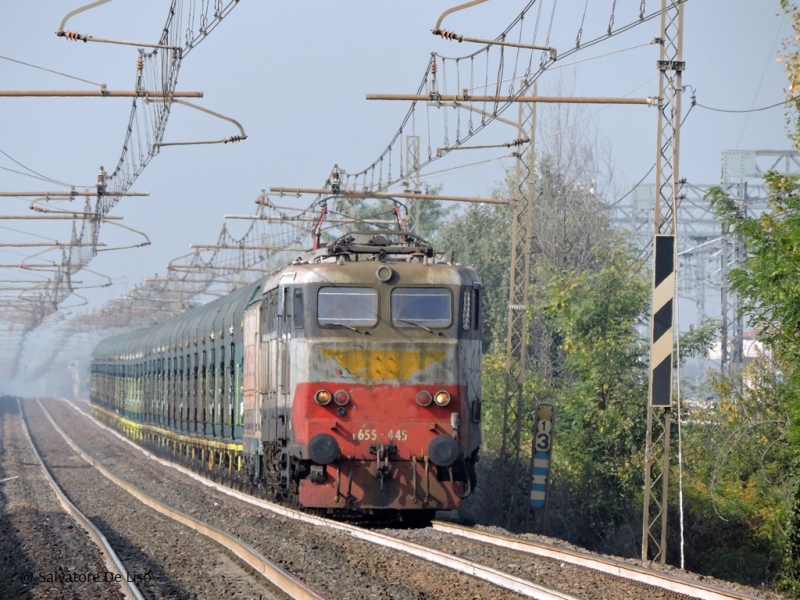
[442, 398]
[341, 398]
[323, 397]
[424, 398]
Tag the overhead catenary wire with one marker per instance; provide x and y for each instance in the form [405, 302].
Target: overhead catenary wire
[598, 56]
[364, 179]
[188, 22]
[465, 166]
[628, 193]
[100, 85]
[36, 174]
[47, 179]
[22, 255]
[559, 65]
[25, 232]
[553, 134]
[761, 80]
[749, 110]
[146, 132]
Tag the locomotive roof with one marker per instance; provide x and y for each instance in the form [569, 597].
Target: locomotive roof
[355, 256]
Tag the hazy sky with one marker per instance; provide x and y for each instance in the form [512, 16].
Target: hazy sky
[295, 76]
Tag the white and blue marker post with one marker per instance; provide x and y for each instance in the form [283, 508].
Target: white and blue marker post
[542, 452]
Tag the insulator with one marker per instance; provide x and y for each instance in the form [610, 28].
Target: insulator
[449, 35]
[74, 36]
[433, 66]
[516, 142]
[235, 138]
[139, 63]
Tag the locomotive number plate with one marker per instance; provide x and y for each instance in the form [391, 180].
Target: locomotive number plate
[367, 435]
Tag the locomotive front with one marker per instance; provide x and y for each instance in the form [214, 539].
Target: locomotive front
[380, 404]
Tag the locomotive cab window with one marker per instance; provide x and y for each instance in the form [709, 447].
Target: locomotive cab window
[425, 307]
[347, 306]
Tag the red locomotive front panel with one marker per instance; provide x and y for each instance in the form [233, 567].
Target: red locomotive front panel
[384, 429]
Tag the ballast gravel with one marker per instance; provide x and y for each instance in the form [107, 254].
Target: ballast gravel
[44, 554]
[165, 559]
[331, 562]
[342, 567]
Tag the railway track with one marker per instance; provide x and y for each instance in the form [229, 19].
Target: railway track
[336, 562]
[587, 576]
[647, 577]
[113, 564]
[42, 547]
[501, 560]
[166, 553]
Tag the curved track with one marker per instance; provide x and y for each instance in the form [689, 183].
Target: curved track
[44, 548]
[177, 556]
[331, 556]
[584, 575]
[588, 580]
[112, 561]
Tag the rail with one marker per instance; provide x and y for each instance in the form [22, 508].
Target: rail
[672, 583]
[665, 581]
[110, 558]
[287, 583]
[504, 580]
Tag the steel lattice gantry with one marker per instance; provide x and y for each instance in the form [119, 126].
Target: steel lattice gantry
[659, 406]
[516, 419]
[706, 250]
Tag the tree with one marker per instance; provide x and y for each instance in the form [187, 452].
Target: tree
[587, 296]
[737, 467]
[599, 387]
[479, 236]
[791, 62]
[768, 284]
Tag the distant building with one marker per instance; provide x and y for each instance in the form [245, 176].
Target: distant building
[751, 348]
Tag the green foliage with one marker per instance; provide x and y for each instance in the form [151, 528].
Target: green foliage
[587, 295]
[725, 546]
[779, 308]
[737, 461]
[741, 500]
[600, 391]
[791, 63]
[493, 393]
[697, 343]
[479, 237]
[768, 283]
[790, 580]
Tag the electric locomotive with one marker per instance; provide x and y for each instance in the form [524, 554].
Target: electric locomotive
[348, 381]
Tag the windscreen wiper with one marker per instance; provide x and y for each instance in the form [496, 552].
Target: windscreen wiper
[421, 326]
[347, 326]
